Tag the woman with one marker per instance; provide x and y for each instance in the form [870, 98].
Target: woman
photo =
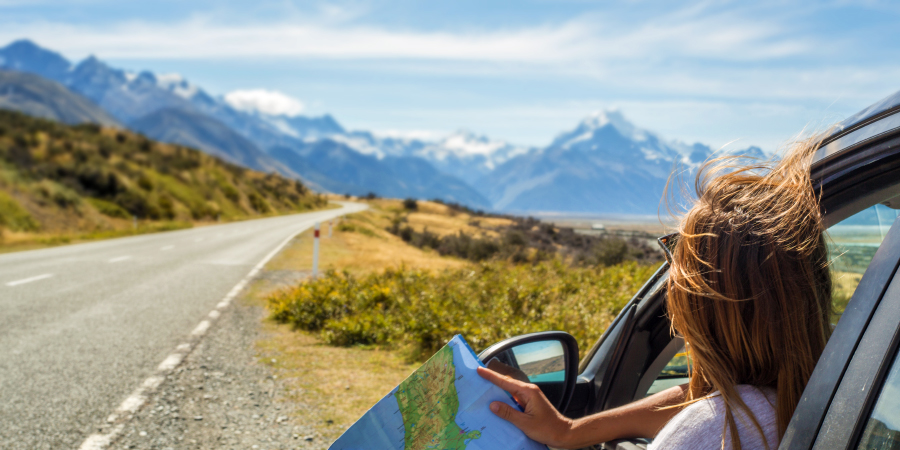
[749, 290]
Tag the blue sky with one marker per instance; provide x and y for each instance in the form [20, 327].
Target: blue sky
[520, 71]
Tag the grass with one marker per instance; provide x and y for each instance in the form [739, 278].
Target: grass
[359, 244]
[15, 242]
[418, 311]
[341, 382]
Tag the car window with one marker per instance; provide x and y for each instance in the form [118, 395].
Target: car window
[882, 430]
[675, 373]
[851, 245]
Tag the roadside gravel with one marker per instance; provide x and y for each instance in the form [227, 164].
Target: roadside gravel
[226, 394]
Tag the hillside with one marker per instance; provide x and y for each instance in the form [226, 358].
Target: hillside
[48, 99]
[57, 178]
[338, 168]
[196, 130]
[604, 165]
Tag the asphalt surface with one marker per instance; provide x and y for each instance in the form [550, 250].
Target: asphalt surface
[83, 325]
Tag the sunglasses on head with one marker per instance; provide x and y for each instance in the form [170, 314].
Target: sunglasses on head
[667, 243]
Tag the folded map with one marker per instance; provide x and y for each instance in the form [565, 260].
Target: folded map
[442, 405]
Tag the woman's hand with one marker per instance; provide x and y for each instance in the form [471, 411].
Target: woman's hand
[540, 420]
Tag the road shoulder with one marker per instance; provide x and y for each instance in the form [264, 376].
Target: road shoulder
[228, 393]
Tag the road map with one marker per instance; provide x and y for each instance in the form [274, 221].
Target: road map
[443, 405]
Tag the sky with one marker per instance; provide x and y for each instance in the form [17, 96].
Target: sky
[756, 73]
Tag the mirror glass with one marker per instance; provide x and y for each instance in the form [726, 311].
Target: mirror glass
[540, 362]
[543, 361]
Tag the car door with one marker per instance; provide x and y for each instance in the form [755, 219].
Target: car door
[858, 174]
[856, 170]
[864, 411]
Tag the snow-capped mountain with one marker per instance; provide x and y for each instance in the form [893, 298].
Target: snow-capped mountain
[169, 108]
[463, 154]
[468, 156]
[604, 165]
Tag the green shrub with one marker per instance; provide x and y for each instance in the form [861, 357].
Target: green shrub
[108, 208]
[258, 203]
[14, 216]
[354, 228]
[492, 301]
[49, 192]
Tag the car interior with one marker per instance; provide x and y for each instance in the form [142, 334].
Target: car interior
[639, 355]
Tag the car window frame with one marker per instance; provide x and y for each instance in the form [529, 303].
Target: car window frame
[860, 385]
[849, 180]
[855, 180]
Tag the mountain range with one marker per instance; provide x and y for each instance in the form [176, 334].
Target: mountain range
[604, 165]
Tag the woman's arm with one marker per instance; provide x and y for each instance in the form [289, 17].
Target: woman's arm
[542, 422]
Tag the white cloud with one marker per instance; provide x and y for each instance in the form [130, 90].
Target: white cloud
[589, 38]
[264, 101]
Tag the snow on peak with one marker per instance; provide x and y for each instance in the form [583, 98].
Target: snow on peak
[617, 120]
[465, 142]
[177, 85]
[264, 101]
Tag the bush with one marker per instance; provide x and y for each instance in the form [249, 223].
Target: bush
[490, 302]
[351, 228]
[529, 240]
[108, 208]
[49, 192]
[610, 251]
[14, 217]
[410, 204]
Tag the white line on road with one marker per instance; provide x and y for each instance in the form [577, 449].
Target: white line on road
[167, 247]
[119, 259]
[136, 400]
[29, 280]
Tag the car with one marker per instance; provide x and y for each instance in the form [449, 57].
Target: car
[852, 399]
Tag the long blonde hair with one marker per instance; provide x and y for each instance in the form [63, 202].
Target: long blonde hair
[749, 288]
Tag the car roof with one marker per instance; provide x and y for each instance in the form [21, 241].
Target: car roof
[876, 121]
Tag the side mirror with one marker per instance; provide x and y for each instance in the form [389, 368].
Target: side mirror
[548, 359]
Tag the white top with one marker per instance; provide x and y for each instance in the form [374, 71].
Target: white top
[700, 425]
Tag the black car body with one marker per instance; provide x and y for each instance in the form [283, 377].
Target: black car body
[853, 397]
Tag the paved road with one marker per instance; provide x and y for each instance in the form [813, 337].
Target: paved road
[82, 325]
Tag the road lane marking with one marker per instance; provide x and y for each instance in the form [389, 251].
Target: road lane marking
[30, 279]
[167, 247]
[119, 259]
[141, 395]
[201, 328]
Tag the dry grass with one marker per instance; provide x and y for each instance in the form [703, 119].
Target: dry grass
[340, 384]
[367, 248]
[16, 241]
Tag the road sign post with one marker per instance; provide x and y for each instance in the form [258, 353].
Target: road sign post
[315, 267]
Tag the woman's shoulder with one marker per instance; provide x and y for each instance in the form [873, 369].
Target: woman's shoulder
[700, 425]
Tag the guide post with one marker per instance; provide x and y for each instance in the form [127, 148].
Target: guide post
[315, 267]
